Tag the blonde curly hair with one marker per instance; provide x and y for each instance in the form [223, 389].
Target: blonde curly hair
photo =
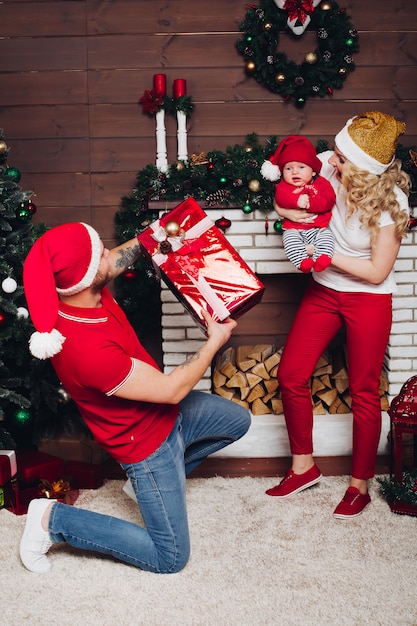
[370, 195]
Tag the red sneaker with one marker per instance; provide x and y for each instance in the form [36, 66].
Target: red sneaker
[352, 504]
[293, 483]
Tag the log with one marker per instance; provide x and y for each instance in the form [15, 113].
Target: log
[237, 380]
[227, 362]
[259, 407]
[271, 385]
[243, 362]
[257, 392]
[277, 408]
[260, 370]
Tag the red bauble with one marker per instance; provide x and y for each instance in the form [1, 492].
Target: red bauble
[130, 275]
[223, 223]
[3, 319]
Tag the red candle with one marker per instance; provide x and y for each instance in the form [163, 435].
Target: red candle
[160, 84]
[180, 88]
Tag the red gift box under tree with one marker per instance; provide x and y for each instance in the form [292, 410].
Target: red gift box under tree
[199, 265]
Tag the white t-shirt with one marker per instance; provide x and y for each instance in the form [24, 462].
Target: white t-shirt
[352, 238]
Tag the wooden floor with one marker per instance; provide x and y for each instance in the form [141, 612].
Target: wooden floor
[235, 467]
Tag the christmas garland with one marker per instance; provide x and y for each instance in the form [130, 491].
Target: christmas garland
[405, 491]
[323, 70]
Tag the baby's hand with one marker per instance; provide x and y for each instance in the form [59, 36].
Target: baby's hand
[303, 201]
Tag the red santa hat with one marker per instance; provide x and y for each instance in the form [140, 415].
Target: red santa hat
[64, 260]
[291, 148]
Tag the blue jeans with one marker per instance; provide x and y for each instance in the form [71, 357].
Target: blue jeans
[206, 423]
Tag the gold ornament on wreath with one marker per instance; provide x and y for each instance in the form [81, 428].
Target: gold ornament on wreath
[323, 69]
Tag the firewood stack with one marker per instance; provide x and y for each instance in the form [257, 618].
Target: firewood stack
[248, 376]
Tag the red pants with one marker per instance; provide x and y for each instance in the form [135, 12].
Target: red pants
[367, 318]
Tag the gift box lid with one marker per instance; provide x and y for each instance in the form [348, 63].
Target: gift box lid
[200, 265]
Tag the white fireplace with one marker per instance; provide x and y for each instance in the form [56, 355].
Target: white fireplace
[267, 436]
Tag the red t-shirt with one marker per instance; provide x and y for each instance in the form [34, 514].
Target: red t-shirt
[96, 359]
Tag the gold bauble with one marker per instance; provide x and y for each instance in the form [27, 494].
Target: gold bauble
[254, 185]
[172, 229]
[247, 148]
[311, 58]
[3, 146]
[325, 6]
[267, 26]
[342, 72]
[280, 78]
[250, 67]
[180, 165]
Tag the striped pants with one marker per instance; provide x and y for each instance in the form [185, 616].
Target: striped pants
[295, 241]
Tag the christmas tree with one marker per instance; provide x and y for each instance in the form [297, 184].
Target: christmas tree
[32, 403]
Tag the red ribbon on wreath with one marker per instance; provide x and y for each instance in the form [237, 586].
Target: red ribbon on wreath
[299, 9]
[299, 12]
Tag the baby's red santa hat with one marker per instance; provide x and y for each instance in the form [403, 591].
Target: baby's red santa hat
[291, 148]
[64, 260]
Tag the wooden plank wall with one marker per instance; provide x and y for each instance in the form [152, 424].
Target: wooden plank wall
[72, 72]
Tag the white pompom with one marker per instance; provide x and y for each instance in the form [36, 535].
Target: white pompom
[269, 171]
[45, 345]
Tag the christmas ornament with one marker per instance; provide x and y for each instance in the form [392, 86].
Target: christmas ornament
[64, 396]
[3, 319]
[250, 67]
[22, 313]
[3, 146]
[278, 227]
[254, 185]
[247, 208]
[172, 229]
[223, 223]
[318, 74]
[130, 274]
[266, 225]
[22, 417]
[31, 207]
[24, 215]
[13, 174]
[311, 58]
[9, 285]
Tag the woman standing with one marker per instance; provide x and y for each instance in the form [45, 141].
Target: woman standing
[369, 221]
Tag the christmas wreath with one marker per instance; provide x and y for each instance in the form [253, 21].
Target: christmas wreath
[323, 70]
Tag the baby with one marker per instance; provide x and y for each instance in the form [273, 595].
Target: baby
[302, 188]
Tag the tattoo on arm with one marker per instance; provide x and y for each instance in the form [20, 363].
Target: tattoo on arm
[190, 359]
[127, 256]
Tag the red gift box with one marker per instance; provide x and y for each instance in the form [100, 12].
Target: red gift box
[8, 465]
[199, 264]
[84, 475]
[33, 466]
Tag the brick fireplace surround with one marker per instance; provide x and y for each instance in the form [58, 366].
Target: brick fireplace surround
[267, 435]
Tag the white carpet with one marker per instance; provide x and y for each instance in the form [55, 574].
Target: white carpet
[254, 561]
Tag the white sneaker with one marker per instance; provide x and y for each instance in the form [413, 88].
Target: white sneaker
[36, 541]
[129, 491]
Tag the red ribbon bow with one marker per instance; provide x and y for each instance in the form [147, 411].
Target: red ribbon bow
[152, 101]
[299, 9]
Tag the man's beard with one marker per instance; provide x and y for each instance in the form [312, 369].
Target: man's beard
[99, 282]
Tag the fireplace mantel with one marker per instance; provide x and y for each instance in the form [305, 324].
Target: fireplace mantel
[265, 255]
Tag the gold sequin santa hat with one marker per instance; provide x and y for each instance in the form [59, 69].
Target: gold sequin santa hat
[369, 141]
